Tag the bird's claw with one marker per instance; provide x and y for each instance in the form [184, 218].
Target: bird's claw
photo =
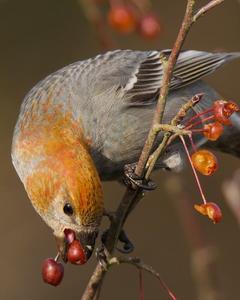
[131, 179]
[128, 246]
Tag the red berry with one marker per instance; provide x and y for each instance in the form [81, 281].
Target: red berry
[69, 235]
[52, 271]
[149, 26]
[230, 107]
[122, 19]
[213, 131]
[75, 253]
[204, 161]
[211, 210]
[223, 110]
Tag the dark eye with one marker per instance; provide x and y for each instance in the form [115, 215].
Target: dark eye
[68, 210]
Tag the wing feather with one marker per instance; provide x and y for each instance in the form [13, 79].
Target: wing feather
[190, 67]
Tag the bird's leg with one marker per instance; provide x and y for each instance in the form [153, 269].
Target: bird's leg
[128, 246]
[102, 253]
[131, 179]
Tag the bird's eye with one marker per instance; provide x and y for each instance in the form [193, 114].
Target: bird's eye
[68, 210]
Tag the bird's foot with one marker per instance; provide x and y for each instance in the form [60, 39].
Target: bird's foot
[132, 180]
[127, 246]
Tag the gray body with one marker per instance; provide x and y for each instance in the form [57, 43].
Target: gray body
[113, 96]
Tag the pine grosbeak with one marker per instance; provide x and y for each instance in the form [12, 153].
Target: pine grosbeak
[83, 123]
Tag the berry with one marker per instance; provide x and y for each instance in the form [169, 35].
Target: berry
[204, 161]
[211, 210]
[122, 19]
[231, 107]
[213, 131]
[223, 110]
[52, 271]
[69, 235]
[149, 26]
[75, 253]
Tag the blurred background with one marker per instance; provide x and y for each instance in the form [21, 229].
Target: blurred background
[197, 259]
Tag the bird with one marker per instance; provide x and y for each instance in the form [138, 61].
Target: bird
[83, 123]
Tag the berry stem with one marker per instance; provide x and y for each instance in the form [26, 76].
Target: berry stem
[200, 122]
[192, 143]
[141, 290]
[198, 115]
[198, 130]
[57, 257]
[194, 171]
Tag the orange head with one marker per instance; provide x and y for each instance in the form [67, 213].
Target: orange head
[52, 159]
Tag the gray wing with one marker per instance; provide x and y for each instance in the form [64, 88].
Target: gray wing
[190, 67]
[118, 134]
[139, 73]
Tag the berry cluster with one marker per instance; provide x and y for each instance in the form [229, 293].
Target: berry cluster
[204, 161]
[128, 16]
[52, 270]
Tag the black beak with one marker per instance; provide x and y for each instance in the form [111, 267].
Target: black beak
[87, 240]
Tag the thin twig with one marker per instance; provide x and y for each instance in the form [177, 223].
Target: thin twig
[206, 8]
[137, 262]
[167, 136]
[133, 196]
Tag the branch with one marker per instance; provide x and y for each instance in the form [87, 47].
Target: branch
[133, 196]
[206, 8]
[138, 263]
[168, 138]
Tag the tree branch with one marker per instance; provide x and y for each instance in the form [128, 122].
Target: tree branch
[133, 196]
[138, 263]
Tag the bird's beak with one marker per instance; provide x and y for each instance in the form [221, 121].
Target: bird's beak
[87, 241]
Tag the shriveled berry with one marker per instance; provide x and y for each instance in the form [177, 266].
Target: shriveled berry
[213, 131]
[210, 209]
[204, 161]
[69, 235]
[122, 19]
[149, 26]
[230, 107]
[218, 108]
[52, 271]
[75, 253]
[223, 111]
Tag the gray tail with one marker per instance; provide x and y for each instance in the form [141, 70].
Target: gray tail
[193, 65]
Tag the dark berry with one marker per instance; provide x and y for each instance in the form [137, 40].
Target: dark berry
[52, 271]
